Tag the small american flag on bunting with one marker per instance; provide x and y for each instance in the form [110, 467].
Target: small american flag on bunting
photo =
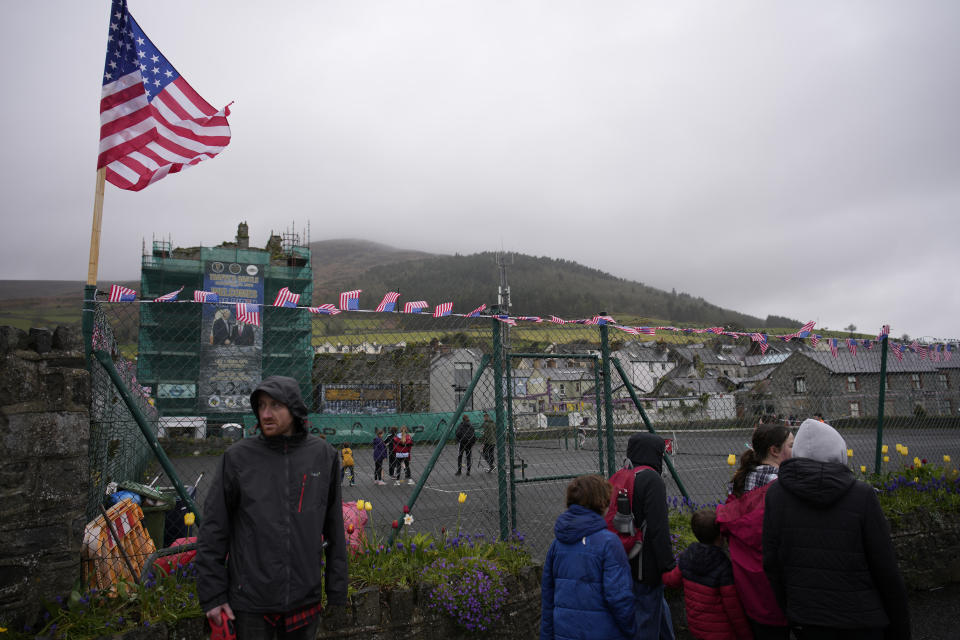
[169, 297]
[897, 349]
[647, 331]
[350, 300]
[476, 312]
[815, 339]
[443, 309]
[389, 301]
[324, 309]
[833, 347]
[248, 313]
[286, 298]
[121, 294]
[415, 307]
[556, 320]
[205, 296]
[530, 318]
[852, 346]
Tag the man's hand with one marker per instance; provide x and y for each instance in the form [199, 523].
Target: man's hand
[214, 615]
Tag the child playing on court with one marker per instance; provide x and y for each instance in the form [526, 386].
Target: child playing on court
[713, 608]
[347, 463]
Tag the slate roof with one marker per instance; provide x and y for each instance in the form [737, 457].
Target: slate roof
[868, 362]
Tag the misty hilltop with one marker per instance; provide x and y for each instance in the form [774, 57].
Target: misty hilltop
[538, 285]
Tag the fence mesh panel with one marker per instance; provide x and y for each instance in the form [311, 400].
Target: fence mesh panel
[191, 368]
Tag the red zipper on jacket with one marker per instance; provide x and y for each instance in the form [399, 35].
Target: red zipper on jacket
[303, 484]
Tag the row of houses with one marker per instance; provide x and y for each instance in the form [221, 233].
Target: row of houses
[719, 381]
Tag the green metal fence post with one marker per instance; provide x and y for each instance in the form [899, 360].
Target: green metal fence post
[484, 363]
[498, 404]
[107, 362]
[643, 414]
[607, 396]
[511, 442]
[883, 389]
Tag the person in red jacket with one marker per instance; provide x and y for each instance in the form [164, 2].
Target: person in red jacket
[713, 607]
[741, 520]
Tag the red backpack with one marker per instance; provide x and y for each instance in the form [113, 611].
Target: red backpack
[620, 520]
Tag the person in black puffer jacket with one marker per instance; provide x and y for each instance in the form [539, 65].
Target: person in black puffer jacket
[826, 546]
[272, 535]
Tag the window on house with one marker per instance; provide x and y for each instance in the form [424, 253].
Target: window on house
[886, 383]
[915, 379]
[800, 384]
[944, 380]
[462, 375]
[854, 409]
[562, 390]
[852, 384]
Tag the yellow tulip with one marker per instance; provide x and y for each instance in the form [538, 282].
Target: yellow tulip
[189, 518]
[863, 468]
[916, 461]
[360, 504]
[946, 458]
[732, 459]
[886, 458]
[462, 497]
[367, 506]
[905, 451]
[849, 453]
[916, 479]
[899, 447]
[885, 449]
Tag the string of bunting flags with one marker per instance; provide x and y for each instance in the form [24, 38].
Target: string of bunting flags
[350, 301]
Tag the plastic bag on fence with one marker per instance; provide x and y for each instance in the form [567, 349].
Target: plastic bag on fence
[354, 525]
[103, 563]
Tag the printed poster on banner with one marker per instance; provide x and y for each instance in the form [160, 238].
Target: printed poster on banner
[231, 352]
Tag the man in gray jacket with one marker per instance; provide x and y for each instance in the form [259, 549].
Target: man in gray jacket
[272, 526]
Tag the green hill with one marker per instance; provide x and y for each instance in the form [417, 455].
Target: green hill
[539, 286]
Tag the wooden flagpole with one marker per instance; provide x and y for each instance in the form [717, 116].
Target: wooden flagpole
[95, 231]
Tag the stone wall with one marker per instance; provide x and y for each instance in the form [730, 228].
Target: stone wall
[44, 431]
[928, 549]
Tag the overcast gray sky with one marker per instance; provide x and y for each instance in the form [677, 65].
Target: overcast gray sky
[794, 158]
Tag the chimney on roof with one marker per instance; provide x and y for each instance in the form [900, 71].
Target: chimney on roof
[243, 236]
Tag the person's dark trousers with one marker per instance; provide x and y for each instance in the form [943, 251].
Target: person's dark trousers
[769, 632]
[406, 467]
[488, 450]
[394, 467]
[254, 626]
[378, 470]
[825, 633]
[469, 452]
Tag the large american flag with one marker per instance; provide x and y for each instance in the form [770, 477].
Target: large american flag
[350, 300]
[152, 122]
[286, 298]
[248, 313]
[389, 301]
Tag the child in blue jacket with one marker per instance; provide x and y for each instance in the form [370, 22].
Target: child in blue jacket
[587, 589]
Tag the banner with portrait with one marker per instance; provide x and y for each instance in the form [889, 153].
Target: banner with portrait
[230, 351]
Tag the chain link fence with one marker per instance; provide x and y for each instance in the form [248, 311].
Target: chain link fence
[545, 402]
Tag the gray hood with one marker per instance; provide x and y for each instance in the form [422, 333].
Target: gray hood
[819, 441]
